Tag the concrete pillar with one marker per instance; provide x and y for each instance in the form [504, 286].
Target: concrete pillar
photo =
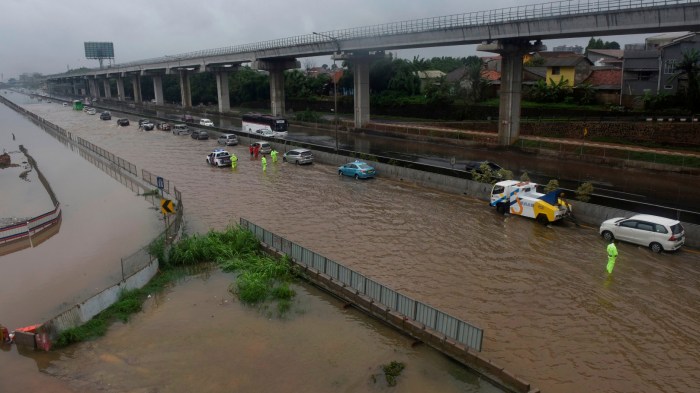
[107, 88]
[120, 89]
[277, 92]
[94, 90]
[222, 93]
[361, 76]
[158, 89]
[510, 99]
[511, 52]
[136, 84]
[185, 90]
[276, 69]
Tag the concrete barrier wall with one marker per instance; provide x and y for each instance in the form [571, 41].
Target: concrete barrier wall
[83, 312]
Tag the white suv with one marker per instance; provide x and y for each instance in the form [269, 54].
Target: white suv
[206, 122]
[657, 233]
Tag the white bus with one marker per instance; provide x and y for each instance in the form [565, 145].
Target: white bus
[256, 122]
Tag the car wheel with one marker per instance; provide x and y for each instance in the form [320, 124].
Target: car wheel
[284, 159]
[542, 219]
[656, 247]
[608, 236]
[340, 173]
[298, 162]
[357, 177]
[501, 208]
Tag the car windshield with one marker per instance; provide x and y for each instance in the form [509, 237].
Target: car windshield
[677, 229]
[364, 166]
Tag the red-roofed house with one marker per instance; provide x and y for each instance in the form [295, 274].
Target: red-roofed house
[606, 82]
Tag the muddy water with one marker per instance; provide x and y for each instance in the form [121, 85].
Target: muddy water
[222, 346]
[549, 313]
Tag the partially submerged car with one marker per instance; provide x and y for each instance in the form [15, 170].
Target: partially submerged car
[163, 126]
[206, 122]
[357, 169]
[298, 156]
[219, 157]
[657, 233]
[181, 129]
[123, 122]
[199, 134]
[227, 140]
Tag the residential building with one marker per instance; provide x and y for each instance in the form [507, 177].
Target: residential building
[570, 67]
[605, 57]
[428, 77]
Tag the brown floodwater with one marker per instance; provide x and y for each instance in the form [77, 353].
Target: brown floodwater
[195, 336]
[550, 314]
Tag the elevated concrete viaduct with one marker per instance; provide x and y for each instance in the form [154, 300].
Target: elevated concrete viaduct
[508, 31]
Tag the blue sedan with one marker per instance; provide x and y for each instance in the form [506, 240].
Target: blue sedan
[357, 169]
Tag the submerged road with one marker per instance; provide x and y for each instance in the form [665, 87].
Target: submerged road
[549, 312]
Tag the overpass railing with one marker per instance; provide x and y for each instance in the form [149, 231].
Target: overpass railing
[477, 18]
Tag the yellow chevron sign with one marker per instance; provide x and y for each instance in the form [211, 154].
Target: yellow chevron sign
[166, 206]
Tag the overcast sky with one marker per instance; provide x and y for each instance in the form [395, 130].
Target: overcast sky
[47, 36]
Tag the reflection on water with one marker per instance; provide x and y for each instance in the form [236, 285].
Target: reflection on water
[540, 293]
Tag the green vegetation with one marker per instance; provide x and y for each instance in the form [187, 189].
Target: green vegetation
[151, 192]
[487, 175]
[594, 43]
[392, 371]
[260, 278]
[551, 186]
[584, 191]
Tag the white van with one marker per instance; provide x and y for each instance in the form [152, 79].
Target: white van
[181, 129]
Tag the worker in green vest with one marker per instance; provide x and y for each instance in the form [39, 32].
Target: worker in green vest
[273, 154]
[264, 163]
[612, 255]
[234, 161]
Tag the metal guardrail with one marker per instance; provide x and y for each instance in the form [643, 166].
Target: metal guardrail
[478, 18]
[432, 318]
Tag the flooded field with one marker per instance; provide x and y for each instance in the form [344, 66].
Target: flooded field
[549, 312]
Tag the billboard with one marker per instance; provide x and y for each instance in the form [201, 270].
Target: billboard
[99, 50]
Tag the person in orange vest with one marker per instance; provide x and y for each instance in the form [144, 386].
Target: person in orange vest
[257, 150]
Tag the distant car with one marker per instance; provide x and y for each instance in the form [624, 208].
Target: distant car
[148, 126]
[123, 122]
[219, 157]
[206, 122]
[227, 140]
[187, 119]
[181, 129]
[298, 156]
[264, 132]
[657, 233]
[141, 121]
[163, 126]
[265, 147]
[105, 115]
[357, 169]
[91, 111]
[199, 134]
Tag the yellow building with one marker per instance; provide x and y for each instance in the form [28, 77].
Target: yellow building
[568, 66]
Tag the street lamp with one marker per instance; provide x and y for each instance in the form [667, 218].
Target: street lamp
[335, 89]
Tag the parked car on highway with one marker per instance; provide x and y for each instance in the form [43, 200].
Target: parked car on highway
[141, 121]
[163, 126]
[657, 233]
[148, 126]
[357, 169]
[199, 134]
[106, 115]
[181, 129]
[123, 122]
[206, 122]
[91, 111]
[265, 148]
[298, 156]
[187, 119]
[264, 132]
[219, 157]
[227, 140]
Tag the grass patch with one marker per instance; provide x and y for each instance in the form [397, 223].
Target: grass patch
[260, 278]
[151, 192]
[392, 371]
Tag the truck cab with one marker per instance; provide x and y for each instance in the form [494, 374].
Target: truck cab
[522, 199]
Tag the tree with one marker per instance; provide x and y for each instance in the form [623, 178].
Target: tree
[599, 44]
[689, 67]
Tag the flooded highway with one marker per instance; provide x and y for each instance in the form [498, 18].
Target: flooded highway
[193, 337]
[549, 313]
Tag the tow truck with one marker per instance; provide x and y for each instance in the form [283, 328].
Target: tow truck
[219, 157]
[522, 199]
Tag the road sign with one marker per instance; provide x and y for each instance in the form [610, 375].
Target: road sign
[160, 183]
[166, 206]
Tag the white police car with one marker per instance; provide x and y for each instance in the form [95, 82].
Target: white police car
[219, 157]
